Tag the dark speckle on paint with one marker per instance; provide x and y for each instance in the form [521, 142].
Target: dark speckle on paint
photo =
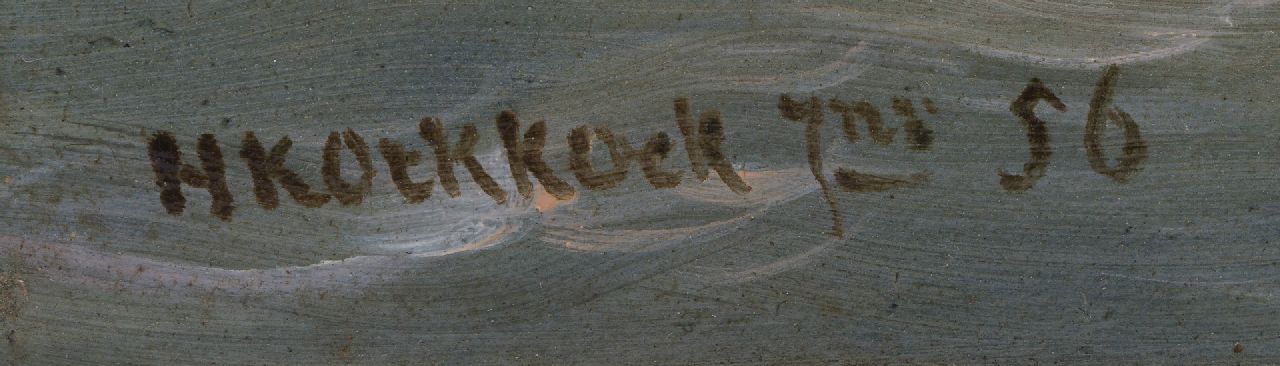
[13, 296]
[1237, 348]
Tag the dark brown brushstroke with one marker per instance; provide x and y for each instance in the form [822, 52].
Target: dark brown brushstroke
[810, 113]
[692, 145]
[398, 162]
[849, 114]
[919, 136]
[1037, 135]
[1100, 110]
[347, 194]
[524, 156]
[215, 173]
[166, 161]
[929, 106]
[853, 181]
[266, 169]
[580, 158]
[708, 137]
[171, 172]
[433, 131]
[711, 135]
[655, 150]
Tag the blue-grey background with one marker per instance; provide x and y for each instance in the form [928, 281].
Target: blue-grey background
[1177, 266]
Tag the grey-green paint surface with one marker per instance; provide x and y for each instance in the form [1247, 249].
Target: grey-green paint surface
[1179, 265]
